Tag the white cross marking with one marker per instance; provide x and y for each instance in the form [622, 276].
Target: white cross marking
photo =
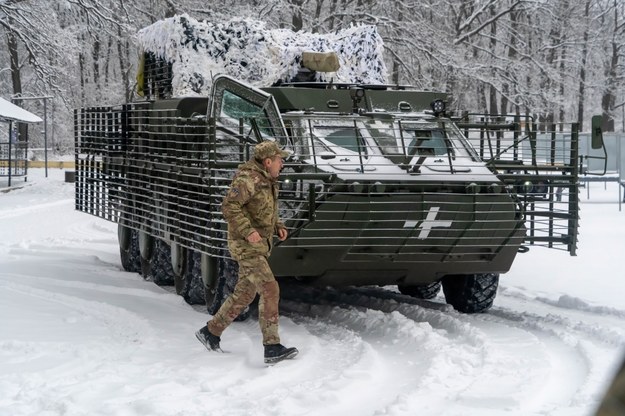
[429, 223]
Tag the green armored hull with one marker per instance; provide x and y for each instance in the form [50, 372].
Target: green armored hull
[402, 239]
[379, 190]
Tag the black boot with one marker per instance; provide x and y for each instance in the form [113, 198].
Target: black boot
[210, 341]
[278, 352]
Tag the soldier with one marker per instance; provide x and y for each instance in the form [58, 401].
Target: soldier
[251, 210]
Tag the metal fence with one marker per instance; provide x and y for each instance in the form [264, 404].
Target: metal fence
[615, 155]
[553, 146]
[600, 166]
[13, 160]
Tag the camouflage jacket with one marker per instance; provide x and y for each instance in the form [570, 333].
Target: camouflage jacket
[251, 204]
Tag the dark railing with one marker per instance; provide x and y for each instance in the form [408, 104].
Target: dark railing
[542, 168]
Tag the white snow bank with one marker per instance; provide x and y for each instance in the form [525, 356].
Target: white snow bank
[246, 50]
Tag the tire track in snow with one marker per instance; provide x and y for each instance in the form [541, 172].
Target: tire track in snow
[99, 288]
[125, 326]
[600, 323]
[39, 207]
[105, 231]
[514, 344]
[370, 373]
[346, 365]
[449, 352]
[111, 333]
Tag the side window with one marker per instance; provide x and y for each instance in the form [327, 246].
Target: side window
[235, 108]
[232, 101]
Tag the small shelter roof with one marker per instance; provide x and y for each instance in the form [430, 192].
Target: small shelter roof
[11, 112]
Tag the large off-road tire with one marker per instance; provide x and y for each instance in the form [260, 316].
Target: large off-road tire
[178, 255]
[159, 267]
[193, 290]
[210, 280]
[129, 249]
[146, 248]
[422, 291]
[472, 293]
[229, 274]
[218, 273]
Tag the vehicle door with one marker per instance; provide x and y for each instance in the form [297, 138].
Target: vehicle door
[248, 112]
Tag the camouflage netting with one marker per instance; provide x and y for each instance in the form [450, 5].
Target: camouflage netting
[246, 50]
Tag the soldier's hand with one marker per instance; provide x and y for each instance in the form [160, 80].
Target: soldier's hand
[282, 234]
[254, 237]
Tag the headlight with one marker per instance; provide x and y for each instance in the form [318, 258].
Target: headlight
[473, 188]
[528, 186]
[288, 185]
[438, 106]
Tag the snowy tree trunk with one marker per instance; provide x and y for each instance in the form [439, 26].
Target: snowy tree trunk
[16, 78]
[582, 69]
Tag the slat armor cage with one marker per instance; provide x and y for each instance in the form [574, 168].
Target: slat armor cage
[360, 189]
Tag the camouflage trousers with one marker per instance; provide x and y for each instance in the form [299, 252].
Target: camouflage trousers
[255, 276]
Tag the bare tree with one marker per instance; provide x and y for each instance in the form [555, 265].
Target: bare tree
[614, 50]
[33, 41]
[556, 59]
[582, 66]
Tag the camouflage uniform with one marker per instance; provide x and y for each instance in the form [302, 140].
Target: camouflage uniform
[251, 204]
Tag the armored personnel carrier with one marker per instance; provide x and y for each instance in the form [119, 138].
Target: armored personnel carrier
[383, 186]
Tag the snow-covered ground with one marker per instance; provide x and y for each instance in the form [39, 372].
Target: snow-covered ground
[79, 336]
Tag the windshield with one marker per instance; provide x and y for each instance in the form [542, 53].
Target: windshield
[427, 143]
[361, 140]
[338, 136]
[423, 139]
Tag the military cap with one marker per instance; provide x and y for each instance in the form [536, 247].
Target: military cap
[268, 149]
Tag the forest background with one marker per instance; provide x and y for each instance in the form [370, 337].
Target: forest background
[557, 60]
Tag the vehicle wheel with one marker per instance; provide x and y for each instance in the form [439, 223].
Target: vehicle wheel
[213, 282]
[129, 249]
[422, 291]
[178, 256]
[229, 276]
[159, 263]
[209, 280]
[471, 293]
[146, 248]
[193, 290]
